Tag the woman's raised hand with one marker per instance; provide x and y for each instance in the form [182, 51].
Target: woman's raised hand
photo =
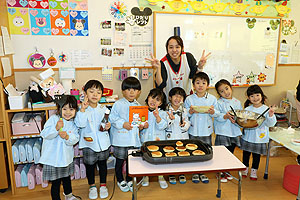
[154, 61]
[203, 59]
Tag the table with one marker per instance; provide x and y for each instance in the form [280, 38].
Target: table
[283, 136]
[223, 160]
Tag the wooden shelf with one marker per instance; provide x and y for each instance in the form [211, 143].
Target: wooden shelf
[34, 135]
[30, 109]
[25, 162]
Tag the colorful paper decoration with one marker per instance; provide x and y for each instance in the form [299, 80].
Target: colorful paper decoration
[18, 21]
[118, 10]
[251, 22]
[238, 77]
[250, 78]
[78, 5]
[60, 22]
[198, 6]
[17, 3]
[139, 17]
[282, 9]
[238, 7]
[218, 6]
[38, 4]
[40, 21]
[262, 77]
[79, 23]
[177, 5]
[58, 4]
[258, 9]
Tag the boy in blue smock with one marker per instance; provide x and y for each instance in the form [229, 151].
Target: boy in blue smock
[94, 137]
[124, 135]
[201, 122]
[59, 135]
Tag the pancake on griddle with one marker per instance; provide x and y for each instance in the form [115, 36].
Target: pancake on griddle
[171, 154]
[181, 148]
[184, 153]
[152, 148]
[198, 153]
[156, 154]
[168, 149]
[179, 143]
[191, 146]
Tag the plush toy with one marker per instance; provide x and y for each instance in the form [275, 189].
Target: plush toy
[35, 92]
[56, 89]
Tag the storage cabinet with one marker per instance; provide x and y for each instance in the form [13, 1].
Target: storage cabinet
[30, 133]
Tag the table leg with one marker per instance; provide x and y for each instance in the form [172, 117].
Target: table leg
[240, 186]
[134, 194]
[219, 185]
[267, 161]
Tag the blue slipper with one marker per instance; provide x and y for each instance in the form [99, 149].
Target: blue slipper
[172, 180]
[204, 178]
[182, 179]
[195, 178]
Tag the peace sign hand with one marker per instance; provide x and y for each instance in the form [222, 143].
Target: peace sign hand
[84, 104]
[154, 61]
[203, 59]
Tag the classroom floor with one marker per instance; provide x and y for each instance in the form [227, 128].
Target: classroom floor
[251, 190]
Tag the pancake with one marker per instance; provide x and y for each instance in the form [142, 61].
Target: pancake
[179, 143]
[171, 154]
[198, 153]
[181, 148]
[183, 153]
[152, 148]
[168, 149]
[156, 154]
[191, 146]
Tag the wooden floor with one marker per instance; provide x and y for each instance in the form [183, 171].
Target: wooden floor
[251, 190]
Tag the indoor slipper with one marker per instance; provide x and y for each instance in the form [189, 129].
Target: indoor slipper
[182, 179]
[172, 180]
[204, 178]
[195, 178]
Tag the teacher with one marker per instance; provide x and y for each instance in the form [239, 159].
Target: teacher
[177, 68]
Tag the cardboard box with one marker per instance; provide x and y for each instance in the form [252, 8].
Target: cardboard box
[18, 102]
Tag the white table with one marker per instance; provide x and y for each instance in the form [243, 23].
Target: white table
[283, 137]
[223, 160]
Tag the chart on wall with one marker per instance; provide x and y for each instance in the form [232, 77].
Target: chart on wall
[244, 50]
[48, 17]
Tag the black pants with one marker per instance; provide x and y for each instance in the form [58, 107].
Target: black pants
[90, 172]
[118, 169]
[55, 187]
[255, 162]
[231, 148]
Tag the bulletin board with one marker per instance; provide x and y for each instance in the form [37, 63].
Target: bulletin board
[244, 49]
[115, 37]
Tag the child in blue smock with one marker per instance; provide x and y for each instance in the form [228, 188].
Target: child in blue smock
[227, 131]
[155, 128]
[201, 123]
[59, 135]
[178, 122]
[255, 140]
[124, 135]
[94, 137]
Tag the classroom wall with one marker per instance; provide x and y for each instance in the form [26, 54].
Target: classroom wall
[287, 76]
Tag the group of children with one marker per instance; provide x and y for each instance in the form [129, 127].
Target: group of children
[176, 120]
